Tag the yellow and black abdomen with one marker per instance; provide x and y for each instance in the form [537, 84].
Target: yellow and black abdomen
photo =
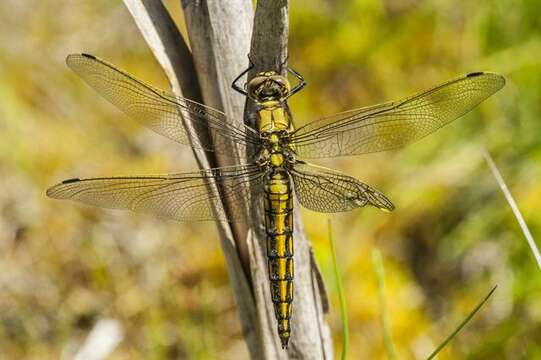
[279, 229]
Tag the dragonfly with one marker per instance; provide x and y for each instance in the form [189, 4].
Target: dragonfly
[276, 170]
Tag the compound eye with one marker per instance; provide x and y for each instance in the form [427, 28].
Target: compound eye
[255, 84]
[282, 81]
[277, 79]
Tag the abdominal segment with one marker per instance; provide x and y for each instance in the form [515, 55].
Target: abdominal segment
[279, 230]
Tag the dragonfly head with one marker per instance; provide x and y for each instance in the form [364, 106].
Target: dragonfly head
[268, 86]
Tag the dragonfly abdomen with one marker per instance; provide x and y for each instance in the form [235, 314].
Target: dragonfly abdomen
[279, 229]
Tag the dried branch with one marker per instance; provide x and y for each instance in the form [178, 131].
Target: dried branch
[270, 34]
[219, 33]
[172, 53]
[310, 334]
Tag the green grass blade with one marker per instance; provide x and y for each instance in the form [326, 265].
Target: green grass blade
[462, 324]
[341, 297]
[380, 278]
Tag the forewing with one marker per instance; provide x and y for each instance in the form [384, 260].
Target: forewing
[394, 124]
[189, 196]
[159, 110]
[328, 191]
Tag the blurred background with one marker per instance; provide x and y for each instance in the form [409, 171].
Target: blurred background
[160, 289]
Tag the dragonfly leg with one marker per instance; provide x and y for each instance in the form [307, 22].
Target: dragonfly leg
[234, 85]
[302, 83]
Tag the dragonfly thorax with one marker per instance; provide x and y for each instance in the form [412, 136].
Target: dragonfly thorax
[274, 125]
[276, 152]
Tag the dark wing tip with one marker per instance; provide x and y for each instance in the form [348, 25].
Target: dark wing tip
[88, 56]
[499, 80]
[72, 58]
[475, 73]
[53, 190]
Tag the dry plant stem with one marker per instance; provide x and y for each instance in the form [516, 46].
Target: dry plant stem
[219, 35]
[268, 48]
[310, 334]
[514, 207]
[172, 53]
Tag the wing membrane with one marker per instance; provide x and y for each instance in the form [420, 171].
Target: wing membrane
[188, 196]
[159, 110]
[394, 124]
[325, 190]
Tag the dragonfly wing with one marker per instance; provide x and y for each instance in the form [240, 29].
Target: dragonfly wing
[394, 124]
[188, 196]
[161, 111]
[328, 191]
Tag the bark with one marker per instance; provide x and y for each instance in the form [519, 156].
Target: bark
[220, 34]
